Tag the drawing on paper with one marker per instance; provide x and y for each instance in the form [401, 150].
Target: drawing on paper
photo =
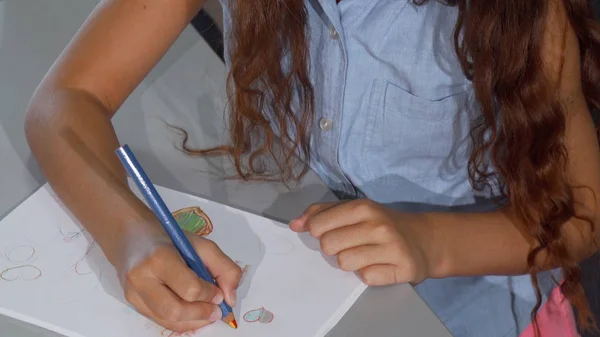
[21, 257]
[194, 220]
[261, 315]
[70, 235]
[245, 270]
[78, 267]
[25, 273]
[20, 254]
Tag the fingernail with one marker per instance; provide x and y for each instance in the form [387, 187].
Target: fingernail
[215, 316]
[218, 299]
[297, 222]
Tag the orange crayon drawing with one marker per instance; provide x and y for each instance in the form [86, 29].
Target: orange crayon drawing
[77, 266]
[245, 270]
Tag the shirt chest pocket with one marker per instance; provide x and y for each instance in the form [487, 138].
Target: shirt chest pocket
[415, 137]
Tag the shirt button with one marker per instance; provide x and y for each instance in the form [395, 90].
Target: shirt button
[333, 33]
[325, 124]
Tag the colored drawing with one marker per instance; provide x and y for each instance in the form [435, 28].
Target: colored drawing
[245, 270]
[261, 315]
[25, 273]
[78, 267]
[193, 220]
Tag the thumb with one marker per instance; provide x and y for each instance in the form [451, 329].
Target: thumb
[225, 271]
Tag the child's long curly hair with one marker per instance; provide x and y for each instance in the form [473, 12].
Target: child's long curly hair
[499, 44]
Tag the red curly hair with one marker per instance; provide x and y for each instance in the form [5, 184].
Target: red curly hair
[499, 44]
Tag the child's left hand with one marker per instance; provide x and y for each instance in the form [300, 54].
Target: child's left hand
[382, 245]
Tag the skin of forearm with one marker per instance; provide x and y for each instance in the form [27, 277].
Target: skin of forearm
[493, 243]
[71, 136]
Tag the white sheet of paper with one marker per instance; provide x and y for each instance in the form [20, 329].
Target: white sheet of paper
[54, 276]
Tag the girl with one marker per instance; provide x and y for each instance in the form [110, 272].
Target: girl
[458, 134]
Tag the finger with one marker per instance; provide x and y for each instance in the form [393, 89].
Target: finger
[185, 283]
[363, 256]
[179, 327]
[136, 301]
[299, 224]
[165, 305]
[225, 271]
[382, 274]
[339, 239]
[340, 215]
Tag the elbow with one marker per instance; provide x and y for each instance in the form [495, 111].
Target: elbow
[33, 123]
[43, 116]
[587, 238]
[580, 236]
[595, 242]
[583, 229]
[54, 112]
[593, 223]
[36, 120]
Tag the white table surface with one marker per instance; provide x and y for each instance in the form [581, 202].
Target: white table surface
[187, 83]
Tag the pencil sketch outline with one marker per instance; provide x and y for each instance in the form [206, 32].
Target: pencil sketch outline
[20, 275]
[71, 235]
[75, 267]
[245, 270]
[20, 264]
[73, 274]
[9, 252]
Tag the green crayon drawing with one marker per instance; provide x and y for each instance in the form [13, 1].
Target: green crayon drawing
[193, 220]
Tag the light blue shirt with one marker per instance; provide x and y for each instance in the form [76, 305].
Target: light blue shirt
[393, 114]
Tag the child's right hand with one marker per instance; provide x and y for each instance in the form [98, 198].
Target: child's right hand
[69, 130]
[160, 286]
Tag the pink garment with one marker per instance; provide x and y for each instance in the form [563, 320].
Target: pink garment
[555, 318]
